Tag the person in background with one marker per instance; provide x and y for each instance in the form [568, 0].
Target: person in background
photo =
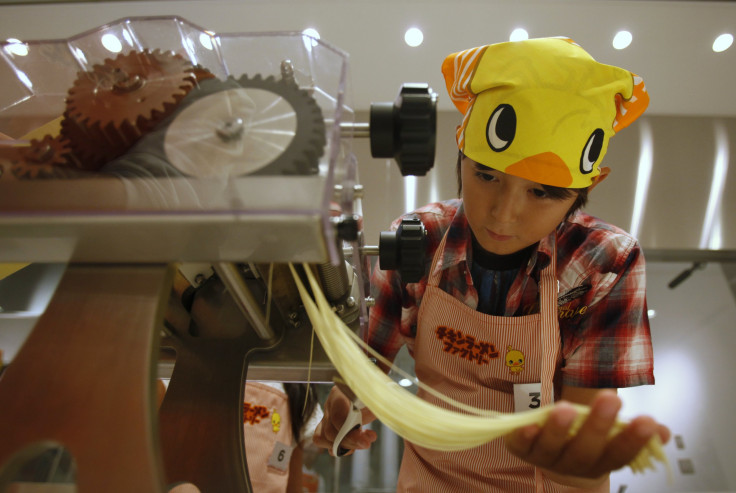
[526, 300]
[279, 420]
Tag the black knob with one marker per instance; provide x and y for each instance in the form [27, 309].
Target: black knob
[348, 227]
[404, 249]
[406, 130]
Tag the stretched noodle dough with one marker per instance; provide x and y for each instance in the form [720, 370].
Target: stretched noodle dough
[413, 418]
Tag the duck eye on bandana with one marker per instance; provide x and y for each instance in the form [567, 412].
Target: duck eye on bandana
[541, 109]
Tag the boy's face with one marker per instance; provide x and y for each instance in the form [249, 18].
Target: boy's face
[505, 212]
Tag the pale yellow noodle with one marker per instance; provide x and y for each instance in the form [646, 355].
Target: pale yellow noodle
[411, 417]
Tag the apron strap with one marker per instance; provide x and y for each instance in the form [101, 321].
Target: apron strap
[434, 274]
[550, 333]
[550, 338]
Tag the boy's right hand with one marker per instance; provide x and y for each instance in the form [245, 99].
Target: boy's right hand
[336, 408]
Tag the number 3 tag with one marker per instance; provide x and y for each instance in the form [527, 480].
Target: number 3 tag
[280, 457]
[527, 396]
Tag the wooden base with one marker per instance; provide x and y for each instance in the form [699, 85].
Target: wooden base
[201, 417]
[84, 379]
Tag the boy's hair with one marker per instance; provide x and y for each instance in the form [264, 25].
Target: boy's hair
[553, 192]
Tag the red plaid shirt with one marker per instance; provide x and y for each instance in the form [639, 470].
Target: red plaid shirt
[602, 302]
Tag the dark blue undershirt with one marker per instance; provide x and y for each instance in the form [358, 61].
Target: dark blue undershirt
[493, 276]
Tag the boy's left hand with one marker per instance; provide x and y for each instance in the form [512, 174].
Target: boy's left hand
[588, 454]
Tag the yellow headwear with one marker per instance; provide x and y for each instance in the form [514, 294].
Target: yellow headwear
[541, 109]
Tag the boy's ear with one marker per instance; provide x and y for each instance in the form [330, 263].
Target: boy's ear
[605, 170]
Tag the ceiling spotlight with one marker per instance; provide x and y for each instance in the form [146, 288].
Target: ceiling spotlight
[519, 34]
[311, 36]
[310, 31]
[413, 37]
[16, 47]
[722, 43]
[112, 43]
[622, 40]
[205, 39]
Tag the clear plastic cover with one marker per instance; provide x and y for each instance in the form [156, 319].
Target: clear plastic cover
[152, 139]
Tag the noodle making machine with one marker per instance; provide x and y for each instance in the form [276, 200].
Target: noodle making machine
[176, 177]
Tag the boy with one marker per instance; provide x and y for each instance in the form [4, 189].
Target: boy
[526, 301]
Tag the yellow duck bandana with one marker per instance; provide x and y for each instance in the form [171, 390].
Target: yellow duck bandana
[541, 109]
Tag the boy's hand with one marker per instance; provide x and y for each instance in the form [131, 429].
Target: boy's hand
[589, 454]
[336, 409]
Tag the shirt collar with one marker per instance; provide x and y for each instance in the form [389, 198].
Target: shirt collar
[541, 258]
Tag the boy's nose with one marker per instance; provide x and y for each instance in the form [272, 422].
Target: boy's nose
[506, 207]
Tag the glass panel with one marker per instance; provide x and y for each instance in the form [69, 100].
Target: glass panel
[123, 128]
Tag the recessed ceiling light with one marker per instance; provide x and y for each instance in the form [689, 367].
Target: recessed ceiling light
[206, 40]
[519, 34]
[413, 37]
[311, 35]
[16, 47]
[622, 40]
[722, 42]
[310, 31]
[112, 43]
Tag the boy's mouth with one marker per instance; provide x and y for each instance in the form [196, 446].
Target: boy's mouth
[498, 237]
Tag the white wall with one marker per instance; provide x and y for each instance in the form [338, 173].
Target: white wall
[694, 335]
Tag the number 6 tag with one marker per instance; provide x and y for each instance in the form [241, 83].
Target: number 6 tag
[280, 457]
[527, 396]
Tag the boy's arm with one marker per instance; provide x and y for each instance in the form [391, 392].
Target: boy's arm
[586, 459]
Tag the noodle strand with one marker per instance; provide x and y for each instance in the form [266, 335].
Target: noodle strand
[413, 418]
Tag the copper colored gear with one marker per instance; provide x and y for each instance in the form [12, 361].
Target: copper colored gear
[201, 73]
[49, 157]
[112, 106]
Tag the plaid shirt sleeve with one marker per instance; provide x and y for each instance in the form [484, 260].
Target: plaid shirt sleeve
[604, 325]
[393, 317]
[384, 334]
[609, 343]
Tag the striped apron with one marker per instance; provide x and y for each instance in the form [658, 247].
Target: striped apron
[269, 440]
[477, 359]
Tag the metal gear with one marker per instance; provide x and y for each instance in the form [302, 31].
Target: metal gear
[246, 126]
[49, 157]
[110, 107]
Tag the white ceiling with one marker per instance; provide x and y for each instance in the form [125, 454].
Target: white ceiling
[671, 48]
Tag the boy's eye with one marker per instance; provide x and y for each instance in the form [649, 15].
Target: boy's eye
[539, 193]
[485, 176]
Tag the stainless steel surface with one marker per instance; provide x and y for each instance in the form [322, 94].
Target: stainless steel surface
[369, 250]
[361, 130]
[202, 237]
[243, 298]
[269, 371]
